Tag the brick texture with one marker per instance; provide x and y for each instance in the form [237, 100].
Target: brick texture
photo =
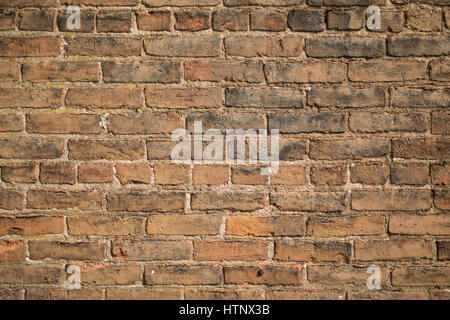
[87, 180]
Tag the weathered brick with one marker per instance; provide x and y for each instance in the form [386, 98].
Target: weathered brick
[262, 2]
[129, 173]
[387, 70]
[308, 201]
[171, 174]
[210, 174]
[69, 123]
[421, 148]
[36, 20]
[12, 251]
[107, 149]
[372, 173]
[31, 148]
[226, 200]
[192, 20]
[294, 250]
[11, 199]
[292, 149]
[7, 21]
[278, 72]
[30, 46]
[329, 175]
[104, 98]
[443, 250]
[11, 294]
[144, 123]
[32, 274]
[230, 20]
[114, 21]
[66, 250]
[411, 173]
[185, 225]
[141, 200]
[102, 2]
[105, 226]
[183, 97]
[63, 294]
[222, 70]
[420, 97]
[306, 20]
[348, 47]
[301, 294]
[182, 46]
[374, 122]
[61, 172]
[289, 175]
[404, 46]
[26, 172]
[148, 72]
[388, 295]
[424, 20]
[183, 274]
[442, 199]
[263, 274]
[340, 96]
[111, 274]
[132, 250]
[154, 20]
[160, 149]
[440, 70]
[9, 71]
[420, 276]
[440, 123]
[61, 71]
[346, 226]
[266, 98]
[29, 3]
[345, 3]
[64, 199]
[103, 46]
[10, 122]
[267, 20]
[248, 175]
[270, 46]
[352, 19]
[223, 122]
[402, 249]
[439, 294]
[355, 148]
[31, 225]
[342, 275]
[95, 173]
[440, 174]
[419, 225]
[265, 226]
[230, 250]
[30, 98]
[391, 200]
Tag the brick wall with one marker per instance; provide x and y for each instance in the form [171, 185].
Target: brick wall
[86, 118]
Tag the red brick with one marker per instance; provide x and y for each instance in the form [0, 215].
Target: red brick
[343, 96]
[440, 70]
[154, 21]
[192, 20]
[248, 175]
[419, 224]
[66, 250]
[258, 46]
[133, 173]
[329, 175]
[419, 276]
[12, 251]
[182, 46]
[105, 226]
[171, 174]
[111, 274]
[57, 173]
[31, 148]
[104, 98]
[346, 226]
[7, 21]
[144, 72]
[114, 21]
[218, 70]
[132, 250]
[31, 225]
[371, 173]
[186, 225]
[410, 174]
[183, 274]
[147, 123]
[230, 250]
[440, 174]
[63, 294]
[11, 199]
[440, 123]
[32, 274]
[36, 20]
[442, 199]
[64, 199]
[142, 294]
[30, 46]
[402, 249]
[30, 98]
[106, 149]
[211, 174]
[61, 71]
[103, 46]
[374, 122]
[387, 70]
[424, 20]
[10, 122]
[223, 294]
[292, 250]
[391, 200]
[230, 20]
[268, 20]
[50, 123]
[20, 172]
[9, 71]
[289, 175]
[264, 274]
[265, 226]
[347, 275]
[226, 200]
[305, 72]
[95, 173]
[409, 97]
[183, 97]
[345, 47]
[421, 148]
[309, 201]
[141, 200]
[349, 148]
